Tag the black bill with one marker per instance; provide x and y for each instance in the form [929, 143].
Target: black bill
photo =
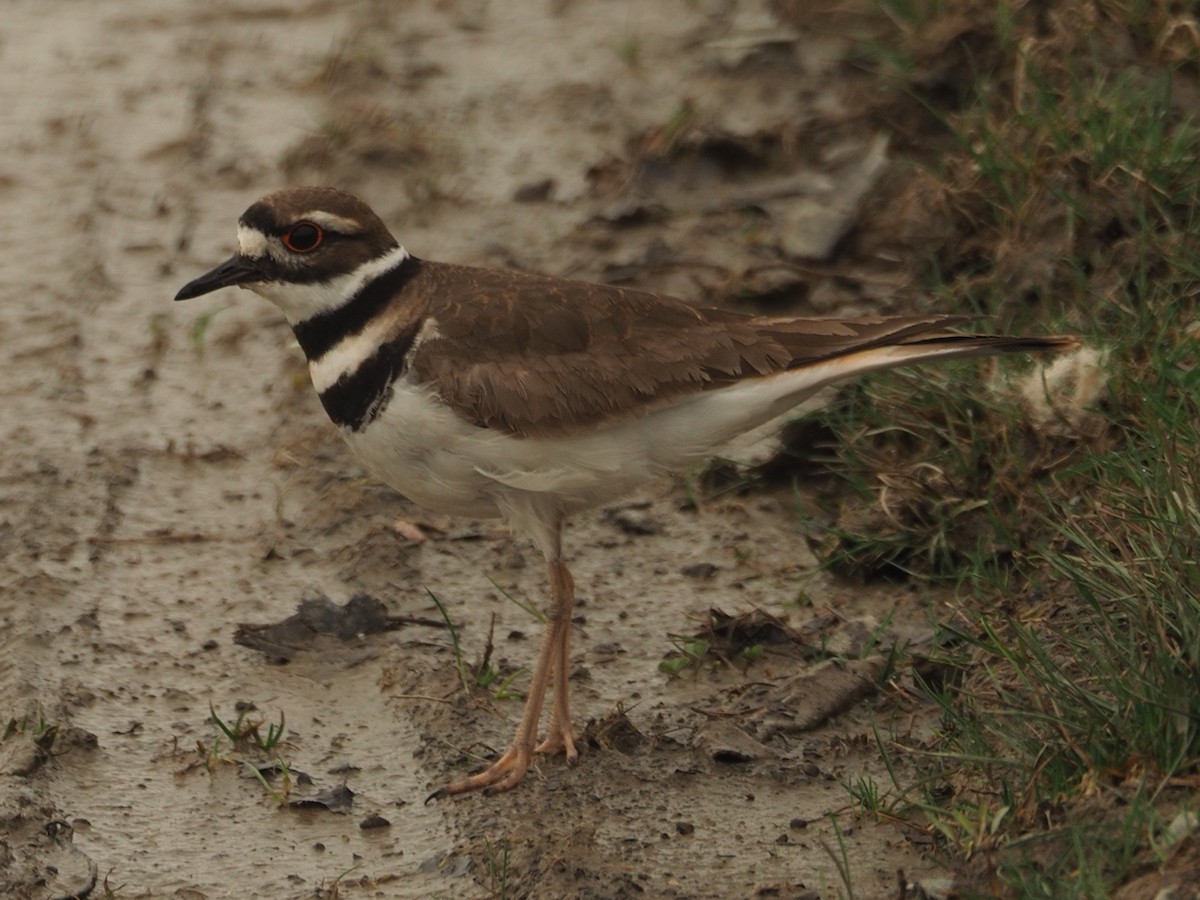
[236, 270]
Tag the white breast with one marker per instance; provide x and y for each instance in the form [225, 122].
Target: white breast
[416, 446]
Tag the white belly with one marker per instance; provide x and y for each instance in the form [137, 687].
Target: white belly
[423, 450]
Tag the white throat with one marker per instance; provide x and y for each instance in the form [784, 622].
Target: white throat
[301, 301]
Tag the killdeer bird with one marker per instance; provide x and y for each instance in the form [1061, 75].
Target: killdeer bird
[488, 393]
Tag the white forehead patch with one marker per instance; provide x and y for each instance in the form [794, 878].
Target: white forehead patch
[251, 242]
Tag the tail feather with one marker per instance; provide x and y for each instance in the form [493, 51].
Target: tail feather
[707, 420]
[953, 344]
[810, 341]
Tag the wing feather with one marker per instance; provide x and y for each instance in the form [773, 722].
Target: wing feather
[536, 356]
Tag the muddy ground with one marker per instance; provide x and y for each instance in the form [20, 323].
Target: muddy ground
[167, 473]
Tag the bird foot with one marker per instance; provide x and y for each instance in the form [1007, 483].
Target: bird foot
[502, 775]
[506, 772]
[559, 738]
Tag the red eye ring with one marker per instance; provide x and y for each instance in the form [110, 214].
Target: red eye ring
[303, 237]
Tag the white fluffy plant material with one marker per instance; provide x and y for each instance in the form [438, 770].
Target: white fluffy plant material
[1059, 394]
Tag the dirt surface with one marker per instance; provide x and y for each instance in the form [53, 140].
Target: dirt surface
[167, 473]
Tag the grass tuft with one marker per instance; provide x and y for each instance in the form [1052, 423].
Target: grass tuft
[483, 674]
[1065, 503]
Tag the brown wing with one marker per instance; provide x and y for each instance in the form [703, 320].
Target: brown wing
[535, 356]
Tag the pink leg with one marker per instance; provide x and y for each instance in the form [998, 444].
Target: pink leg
[506, 772]
[559, 736]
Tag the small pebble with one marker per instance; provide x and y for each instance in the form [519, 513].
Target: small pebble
[685, 827]
[700, 570]
[636, 521]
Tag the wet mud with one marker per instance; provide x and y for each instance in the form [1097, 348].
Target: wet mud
[171, 490]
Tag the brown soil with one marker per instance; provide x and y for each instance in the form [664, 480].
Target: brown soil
[167, 473]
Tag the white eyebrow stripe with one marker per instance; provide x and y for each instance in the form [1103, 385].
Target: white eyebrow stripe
[332, 222]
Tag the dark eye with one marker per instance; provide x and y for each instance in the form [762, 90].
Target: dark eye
[304, 237]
